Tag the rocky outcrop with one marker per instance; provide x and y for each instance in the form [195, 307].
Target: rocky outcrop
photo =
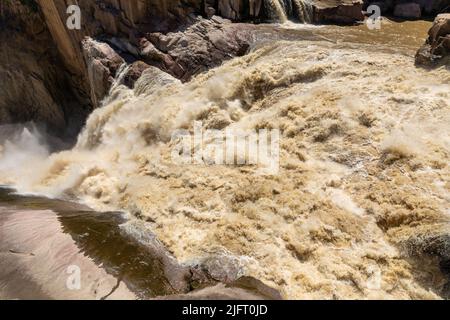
[103, 64]
[410, 9]
[432, 246]
[35, 83]
[203, 45]
[436, 50]
[58, 77]
[344, 12]
[134, 73]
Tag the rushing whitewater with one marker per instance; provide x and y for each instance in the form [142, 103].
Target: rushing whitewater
[364, 167]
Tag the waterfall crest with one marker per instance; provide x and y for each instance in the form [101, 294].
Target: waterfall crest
[304, 10]
[282, 10]
[276, 10]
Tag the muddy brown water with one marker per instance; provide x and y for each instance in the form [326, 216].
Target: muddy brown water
[40, 238]
[403, 37]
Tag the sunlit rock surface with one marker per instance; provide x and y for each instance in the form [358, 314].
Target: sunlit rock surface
[437, 47]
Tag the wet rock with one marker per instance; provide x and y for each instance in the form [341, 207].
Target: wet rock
[446, 291]
[102, 65]
[436, 49]
[244, 288]
[152, 79]
[434, 246]
[223, 268]
[408, 10]
[34, 82]
[158, 58]
[215, 268]
[334, 11]
[134, 73]
[177, 275]
[424, 57]
[256, 286]
[239, 9]
[36, 253]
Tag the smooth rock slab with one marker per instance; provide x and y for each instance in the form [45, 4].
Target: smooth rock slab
[35, 256]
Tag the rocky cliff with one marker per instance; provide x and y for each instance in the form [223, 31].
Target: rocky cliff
[57, 77]
[35, 84]
[60, 75]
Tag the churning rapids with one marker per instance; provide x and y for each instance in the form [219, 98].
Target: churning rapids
[364, 162]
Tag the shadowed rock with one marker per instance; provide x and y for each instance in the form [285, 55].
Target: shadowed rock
[245, 288]
[435, 246]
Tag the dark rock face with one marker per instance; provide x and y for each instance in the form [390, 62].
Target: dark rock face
[436, 50]
[410, 9]
[35, 84]
[58, 79]
[434, 246]
[237, 10]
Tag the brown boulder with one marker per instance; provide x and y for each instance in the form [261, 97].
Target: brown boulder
[436, 49]
[338, 11]
[134, 73]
